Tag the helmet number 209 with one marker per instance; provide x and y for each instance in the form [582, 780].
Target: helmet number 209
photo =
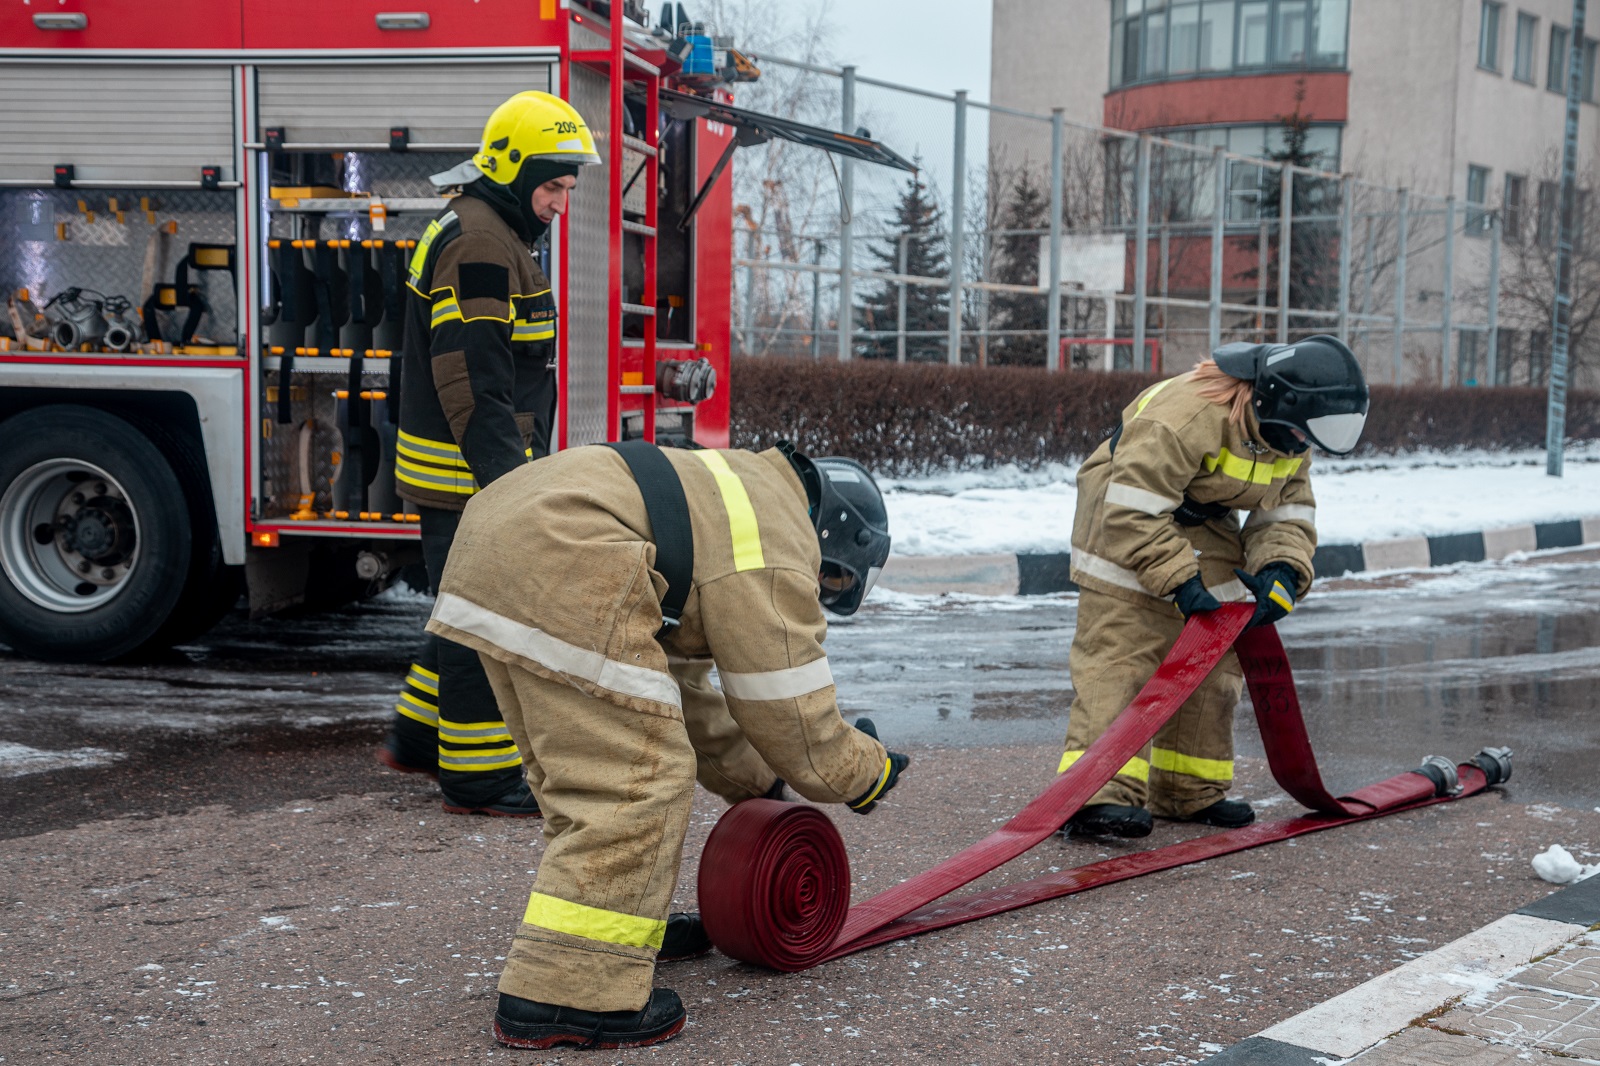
[566, 127]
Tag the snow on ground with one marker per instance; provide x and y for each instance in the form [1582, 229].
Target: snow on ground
[975, 512]
[19, 759]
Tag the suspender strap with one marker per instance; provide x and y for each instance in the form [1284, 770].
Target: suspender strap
[668, 509]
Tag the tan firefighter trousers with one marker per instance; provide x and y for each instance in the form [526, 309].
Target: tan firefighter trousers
[615, 786]
[1116, 649]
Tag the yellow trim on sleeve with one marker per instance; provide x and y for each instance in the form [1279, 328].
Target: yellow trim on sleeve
[742, 523]
[1175, 762]
[592, 923]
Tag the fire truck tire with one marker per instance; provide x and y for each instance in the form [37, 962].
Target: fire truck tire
[95, 535]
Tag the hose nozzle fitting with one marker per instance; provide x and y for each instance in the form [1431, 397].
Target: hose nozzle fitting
[1495, 764]
[1442, 772]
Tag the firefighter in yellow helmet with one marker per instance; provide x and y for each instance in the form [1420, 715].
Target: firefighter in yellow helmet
[478, 400]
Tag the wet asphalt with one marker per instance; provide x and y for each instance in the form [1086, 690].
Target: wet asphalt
[236, 785]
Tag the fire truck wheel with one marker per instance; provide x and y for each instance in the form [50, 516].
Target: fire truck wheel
[95, 535]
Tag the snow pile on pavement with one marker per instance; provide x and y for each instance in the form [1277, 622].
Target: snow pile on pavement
[980, 512]
[19, 759]
[1557, 866]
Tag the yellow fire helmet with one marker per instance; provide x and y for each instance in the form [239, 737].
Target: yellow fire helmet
[533, 124]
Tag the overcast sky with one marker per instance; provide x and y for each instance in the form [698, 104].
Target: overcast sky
[932, 44]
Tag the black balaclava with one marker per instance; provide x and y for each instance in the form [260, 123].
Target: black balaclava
[513, 202]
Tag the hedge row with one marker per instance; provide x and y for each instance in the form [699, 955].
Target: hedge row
[908, 419]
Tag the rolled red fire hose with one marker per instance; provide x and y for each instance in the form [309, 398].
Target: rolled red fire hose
[775, 884]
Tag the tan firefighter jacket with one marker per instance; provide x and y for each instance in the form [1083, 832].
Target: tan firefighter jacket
[1175, 444]
[551, 571]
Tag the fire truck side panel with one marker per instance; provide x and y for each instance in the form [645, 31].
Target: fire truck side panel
[172, 25]
[713, 226]
[218, 396]
[586, 331]
[309, 25]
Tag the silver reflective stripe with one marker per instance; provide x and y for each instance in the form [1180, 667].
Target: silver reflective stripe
[477, 733]
[1289, 512]
[1229, 591]
[1140, 499]
[787, 684]
[554, 653]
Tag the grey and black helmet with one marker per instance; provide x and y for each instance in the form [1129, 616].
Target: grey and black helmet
[852, 526]
[1314, 387]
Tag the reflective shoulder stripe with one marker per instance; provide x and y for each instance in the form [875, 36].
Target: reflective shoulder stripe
[1175, 762]
[742, 523]
[1291, 512]
[1135, 767]
[556, 654]
[419, 258]
[788, 684]
[877, 789]
[446, 309]
[592, 923]
[1132, 496]
[1248, 470]
[1150, 394]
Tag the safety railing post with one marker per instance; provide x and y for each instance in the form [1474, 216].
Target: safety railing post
[1219, 212]
[1052, 354]
[1347, 189]
[958, 225]
[900, 301]
[847, 310]
[1492, 358]
[1141, 254]
[816, 302]
[1404, 217]
[1448, 293]
[1285, 246]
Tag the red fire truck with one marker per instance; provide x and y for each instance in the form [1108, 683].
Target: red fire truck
[204, 218]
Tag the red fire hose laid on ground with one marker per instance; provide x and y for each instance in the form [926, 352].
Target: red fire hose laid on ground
[775, 882]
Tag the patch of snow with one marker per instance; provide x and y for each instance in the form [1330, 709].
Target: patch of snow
[1556, 865]
[19, 759]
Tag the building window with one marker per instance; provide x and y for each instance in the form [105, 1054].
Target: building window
[1512, 207]
[1522, 61]
[1477, 219]
[1556, 68]
[1155, 39]
[1590, 46]
[1489, 34]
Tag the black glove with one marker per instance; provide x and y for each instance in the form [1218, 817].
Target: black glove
[1274, 586]
[1192, 597]
[893, 768]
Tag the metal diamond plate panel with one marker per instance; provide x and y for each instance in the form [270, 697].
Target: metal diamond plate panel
[588, 340]
[57, 246]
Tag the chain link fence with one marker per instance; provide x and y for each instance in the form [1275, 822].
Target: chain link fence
[1116, 250]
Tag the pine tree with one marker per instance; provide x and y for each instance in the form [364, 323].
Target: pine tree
[1313, 246]
[1016, 262]
[918, 221]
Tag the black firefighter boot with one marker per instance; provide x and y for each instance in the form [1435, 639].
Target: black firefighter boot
[685, 938]
[1110, 820]
[522, 1023]
[501, 794]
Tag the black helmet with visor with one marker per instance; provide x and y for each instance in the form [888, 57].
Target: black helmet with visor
[852, 526]
[1314, 388]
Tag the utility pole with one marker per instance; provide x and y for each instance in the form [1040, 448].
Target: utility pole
[847, 182]
[1561, 333]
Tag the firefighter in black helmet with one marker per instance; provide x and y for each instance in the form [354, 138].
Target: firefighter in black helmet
[478, 400]
[1201, 496]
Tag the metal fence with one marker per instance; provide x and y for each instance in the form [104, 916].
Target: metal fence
[1116, 250]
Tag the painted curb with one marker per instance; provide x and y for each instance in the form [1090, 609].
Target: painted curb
[1355, 1021]
[1043, 573]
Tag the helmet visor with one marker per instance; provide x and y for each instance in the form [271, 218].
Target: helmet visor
[1337, 433]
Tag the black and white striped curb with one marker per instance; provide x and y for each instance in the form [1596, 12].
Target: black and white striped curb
[1355, 1021]
[1011, 574]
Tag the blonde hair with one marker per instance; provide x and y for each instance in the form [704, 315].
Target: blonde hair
[1218, 386]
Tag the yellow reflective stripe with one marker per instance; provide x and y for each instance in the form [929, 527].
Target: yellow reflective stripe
[419, 680]
[592, 923]
[1150, 395]
[1175, 762]
[458, 752]
[474, 732]
[445, 310]
[1249, 470]
[533, 331]
[427, 716]
[741, 516]
[438, 452]
[424, 458]
[479, 764]
[426, 478]
[1135, 767]
[418, 668]
[1278, 596]
[883, 779]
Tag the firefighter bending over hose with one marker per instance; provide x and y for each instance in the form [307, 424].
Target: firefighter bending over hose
[478, 401]
[1158, 536]
[599, 586]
